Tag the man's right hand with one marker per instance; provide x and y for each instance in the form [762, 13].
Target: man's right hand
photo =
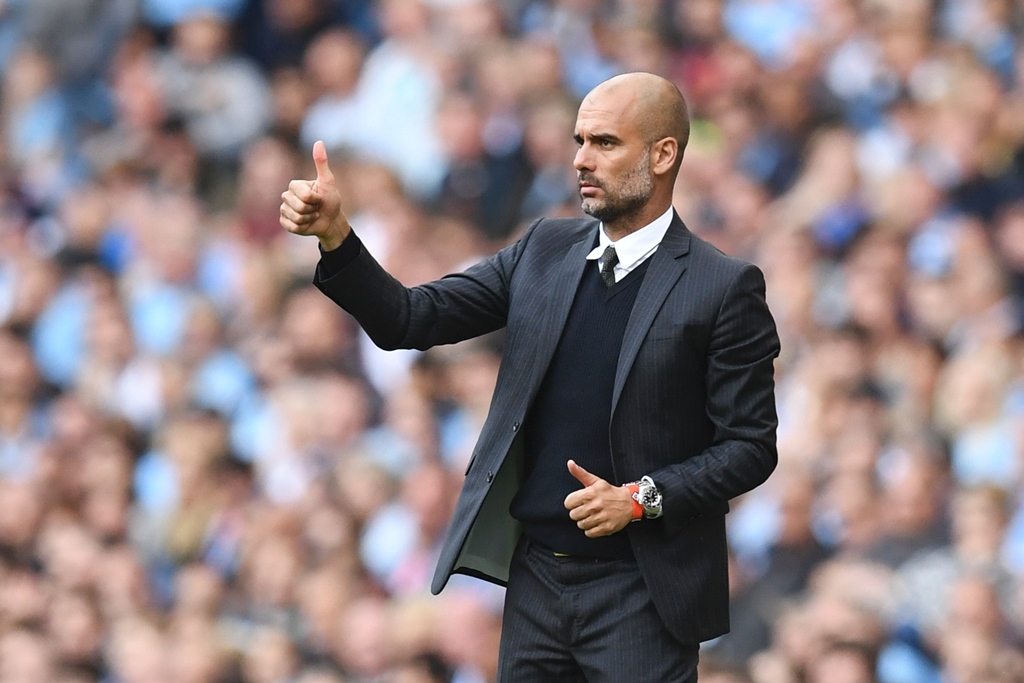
[313, 207]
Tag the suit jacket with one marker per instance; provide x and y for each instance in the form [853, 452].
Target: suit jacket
[693, 402]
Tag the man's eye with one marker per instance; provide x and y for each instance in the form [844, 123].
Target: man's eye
[606, 144]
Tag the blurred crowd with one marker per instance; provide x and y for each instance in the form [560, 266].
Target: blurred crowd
[209, 475]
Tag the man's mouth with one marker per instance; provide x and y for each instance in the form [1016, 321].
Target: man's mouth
[588, 187]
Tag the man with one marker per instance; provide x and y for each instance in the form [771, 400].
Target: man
[634, 399]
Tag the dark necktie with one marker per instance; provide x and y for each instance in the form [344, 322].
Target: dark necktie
[608, 260]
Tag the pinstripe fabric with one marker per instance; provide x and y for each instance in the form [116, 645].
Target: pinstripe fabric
[693, 403]
[569, 619]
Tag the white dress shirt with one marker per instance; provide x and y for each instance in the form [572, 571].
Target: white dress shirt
[634, 248]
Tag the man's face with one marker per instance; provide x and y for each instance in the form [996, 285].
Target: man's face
[613, 160]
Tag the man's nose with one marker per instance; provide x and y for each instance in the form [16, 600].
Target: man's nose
[583, 160]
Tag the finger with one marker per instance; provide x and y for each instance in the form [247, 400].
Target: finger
[596, 529]
[291, 226]
[304, 190]
[581, 475]
[299, 205]
[576, 499]
[577, 514]
[296, 217]
[323, 170]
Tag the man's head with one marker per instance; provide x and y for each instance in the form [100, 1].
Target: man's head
[631, 131]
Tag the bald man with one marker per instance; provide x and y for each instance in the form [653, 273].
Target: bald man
[634, 399]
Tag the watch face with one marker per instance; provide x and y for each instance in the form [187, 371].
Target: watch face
[649, 497]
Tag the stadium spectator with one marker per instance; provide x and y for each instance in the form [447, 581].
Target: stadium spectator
[172, 511]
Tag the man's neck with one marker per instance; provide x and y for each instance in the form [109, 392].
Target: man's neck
[627, 225]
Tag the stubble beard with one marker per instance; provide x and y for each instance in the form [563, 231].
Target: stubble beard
[625, 199]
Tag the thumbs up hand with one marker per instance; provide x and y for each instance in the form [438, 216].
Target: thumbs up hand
[313, 207]
[599, 508]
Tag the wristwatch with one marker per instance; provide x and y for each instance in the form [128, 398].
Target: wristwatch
[646, 499]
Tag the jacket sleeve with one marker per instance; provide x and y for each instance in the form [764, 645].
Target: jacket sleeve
[449, 310]
[740, 404]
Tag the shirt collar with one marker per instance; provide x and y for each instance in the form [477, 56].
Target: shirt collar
[636, 246]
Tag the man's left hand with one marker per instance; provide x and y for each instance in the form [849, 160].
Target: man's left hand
[599, 508]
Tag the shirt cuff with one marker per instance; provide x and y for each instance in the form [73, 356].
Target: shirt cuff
[336, 260]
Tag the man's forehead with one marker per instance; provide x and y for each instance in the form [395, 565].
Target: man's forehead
[610, 97]
[607, 108]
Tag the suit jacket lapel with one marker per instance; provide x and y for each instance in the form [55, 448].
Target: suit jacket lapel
[667, 264]
[563, 291]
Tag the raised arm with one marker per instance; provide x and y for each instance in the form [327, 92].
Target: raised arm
[454, 308]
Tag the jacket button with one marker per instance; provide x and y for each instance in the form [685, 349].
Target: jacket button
[515, 427]
[490, 477]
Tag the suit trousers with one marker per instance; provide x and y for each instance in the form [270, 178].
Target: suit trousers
[576, 620]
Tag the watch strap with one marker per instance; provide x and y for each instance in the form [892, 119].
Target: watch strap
[634, 497]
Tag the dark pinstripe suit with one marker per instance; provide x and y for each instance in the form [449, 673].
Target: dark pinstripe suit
[693, 403]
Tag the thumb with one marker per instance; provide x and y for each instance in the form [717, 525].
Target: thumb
[323, 171]
[584, 477]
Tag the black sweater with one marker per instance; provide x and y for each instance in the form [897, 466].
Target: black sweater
[570, 415]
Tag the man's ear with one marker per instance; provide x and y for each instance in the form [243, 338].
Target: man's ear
[664, 153]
